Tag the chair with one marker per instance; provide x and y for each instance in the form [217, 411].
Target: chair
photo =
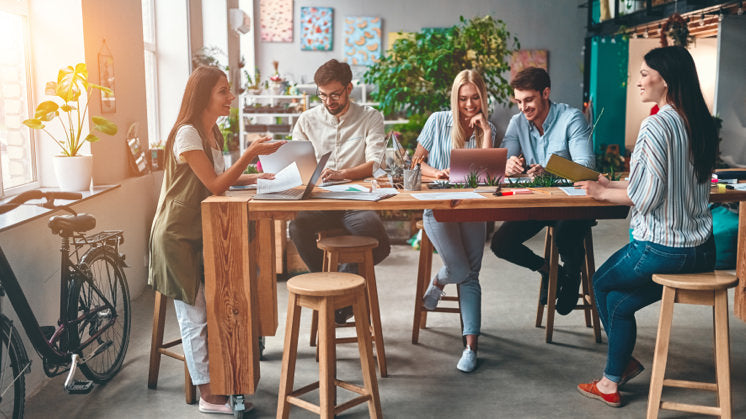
[358, 250]
[158, 348]
[709, 289]
[424, 275]
[325, 292]
[588, 304]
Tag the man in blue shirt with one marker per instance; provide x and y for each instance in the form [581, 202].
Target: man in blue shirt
[541, 129]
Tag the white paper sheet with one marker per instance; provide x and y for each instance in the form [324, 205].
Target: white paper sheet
[739, 186]
[572, 191]
[285, 179]
[438, 196]
[345, 188]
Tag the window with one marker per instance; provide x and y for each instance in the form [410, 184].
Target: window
[17, 155]
[151, 70]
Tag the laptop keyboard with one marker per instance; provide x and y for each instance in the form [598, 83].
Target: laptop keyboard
[291, 193]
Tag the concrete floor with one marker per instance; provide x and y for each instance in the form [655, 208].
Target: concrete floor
[519, 375]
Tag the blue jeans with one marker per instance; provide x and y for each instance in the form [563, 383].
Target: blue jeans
[460, 246]
[624, 284]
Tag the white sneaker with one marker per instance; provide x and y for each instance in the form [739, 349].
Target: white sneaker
[468, 361]
[223, 409]
[432, 296]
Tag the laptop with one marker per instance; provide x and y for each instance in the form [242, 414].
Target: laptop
[484, 161]
[300, 151]
[298, 194]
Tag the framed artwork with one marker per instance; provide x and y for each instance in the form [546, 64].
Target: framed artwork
[276, 20]
[525, 58]
[362, 40]
[106, 75]
[316, 28]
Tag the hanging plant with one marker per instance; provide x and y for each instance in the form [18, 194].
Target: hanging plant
[677, 29]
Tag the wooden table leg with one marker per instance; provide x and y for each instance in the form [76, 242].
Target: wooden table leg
[266, 277]
[739, 305]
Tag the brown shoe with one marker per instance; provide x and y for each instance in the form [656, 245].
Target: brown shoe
[591, 391]
[634, 368]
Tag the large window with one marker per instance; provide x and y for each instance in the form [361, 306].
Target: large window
[151, 70]
[16, 142]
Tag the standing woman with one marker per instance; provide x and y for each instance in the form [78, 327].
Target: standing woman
[460, 245]
[668, 189]
[195, 170]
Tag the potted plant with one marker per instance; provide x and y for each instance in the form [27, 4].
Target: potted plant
[229, 128]
[73, 169]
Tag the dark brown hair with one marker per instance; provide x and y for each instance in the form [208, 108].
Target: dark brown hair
[677, 68]
[531, 78]
[332, 71]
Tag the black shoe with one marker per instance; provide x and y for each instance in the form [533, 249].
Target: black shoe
[567, 295]
[342, 315]
[543, 291]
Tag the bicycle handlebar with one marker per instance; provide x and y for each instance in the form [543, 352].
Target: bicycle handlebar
[49, 198]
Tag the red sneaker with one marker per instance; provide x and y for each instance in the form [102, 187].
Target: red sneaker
[591, 391]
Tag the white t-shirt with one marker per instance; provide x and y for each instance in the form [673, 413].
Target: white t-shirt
[188, 139]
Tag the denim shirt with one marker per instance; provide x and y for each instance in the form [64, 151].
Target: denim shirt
[566, 133]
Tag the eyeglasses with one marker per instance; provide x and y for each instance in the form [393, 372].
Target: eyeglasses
[334, 96]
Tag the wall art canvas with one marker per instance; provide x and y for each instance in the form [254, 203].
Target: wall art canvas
[276, 20]
[362, 40]
[316, 28]
[528, 58]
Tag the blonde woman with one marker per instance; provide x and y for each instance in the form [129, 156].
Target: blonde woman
[460, 245]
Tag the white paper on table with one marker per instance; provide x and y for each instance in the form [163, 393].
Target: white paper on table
[739, 186]
[285, 179]
[573, 191]
[437, 196]
[345, 188]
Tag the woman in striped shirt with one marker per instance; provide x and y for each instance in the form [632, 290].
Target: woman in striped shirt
[460, 245]
[668, 189]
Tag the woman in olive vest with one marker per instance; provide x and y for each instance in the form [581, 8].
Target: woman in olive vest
[194, 170]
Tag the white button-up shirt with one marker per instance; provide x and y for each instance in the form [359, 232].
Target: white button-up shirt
[355, 138]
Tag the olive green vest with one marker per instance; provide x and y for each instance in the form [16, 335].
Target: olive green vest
[176, 268]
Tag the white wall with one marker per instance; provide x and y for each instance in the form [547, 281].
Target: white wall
[731, 95]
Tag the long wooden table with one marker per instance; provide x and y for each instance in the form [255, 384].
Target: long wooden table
[239, 254]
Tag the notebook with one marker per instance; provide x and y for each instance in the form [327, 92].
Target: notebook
[568, 169]
[301, 152]
[295, 193]
[484, 161]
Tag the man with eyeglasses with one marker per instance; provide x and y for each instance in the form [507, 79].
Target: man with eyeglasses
[355, 136]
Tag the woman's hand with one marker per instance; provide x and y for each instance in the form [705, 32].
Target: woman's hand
[594, 188]
[480, 121]
[262, 146]
[443, 174]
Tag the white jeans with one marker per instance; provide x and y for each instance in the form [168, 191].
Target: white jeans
[193, 325]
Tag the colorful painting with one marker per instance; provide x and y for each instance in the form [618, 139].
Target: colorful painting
[528, 58]
[362, 40]
[316, 28]
[276, 20]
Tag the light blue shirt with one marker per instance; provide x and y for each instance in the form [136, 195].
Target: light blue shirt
[435, 137]
[566, 133]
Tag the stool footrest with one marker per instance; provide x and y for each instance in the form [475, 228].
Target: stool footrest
[171, 344]
[294, 397]
[696, 385]
[447, 298]
[691, 408]
[170, 354]
[445, 310]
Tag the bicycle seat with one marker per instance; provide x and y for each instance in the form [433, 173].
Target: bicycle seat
[66, 225]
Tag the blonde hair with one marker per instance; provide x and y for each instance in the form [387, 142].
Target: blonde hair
[458, 134]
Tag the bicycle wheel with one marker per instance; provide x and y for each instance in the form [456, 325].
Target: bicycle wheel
[13, 363]
[87, 300]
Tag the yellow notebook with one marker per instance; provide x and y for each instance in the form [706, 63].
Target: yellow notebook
[568, 169]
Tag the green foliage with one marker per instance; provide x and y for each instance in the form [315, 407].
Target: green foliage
[229, 128]
[416, 76]
[71, 83]
[409, 132]
[542, 181]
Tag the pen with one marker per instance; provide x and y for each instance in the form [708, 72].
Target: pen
[525, 167]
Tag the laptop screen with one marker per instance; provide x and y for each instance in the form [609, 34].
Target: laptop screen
[316, 175]
[480, 161]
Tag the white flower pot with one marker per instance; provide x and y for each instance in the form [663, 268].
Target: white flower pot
[73, 173]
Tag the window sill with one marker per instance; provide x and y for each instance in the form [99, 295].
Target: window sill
[26, 213]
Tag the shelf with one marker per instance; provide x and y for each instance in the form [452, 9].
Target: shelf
[273, 115]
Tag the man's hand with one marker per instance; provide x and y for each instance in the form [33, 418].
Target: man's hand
[514, 166]
[535, 170]
[330, 174]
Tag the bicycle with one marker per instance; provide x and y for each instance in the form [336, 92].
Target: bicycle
[94, 319]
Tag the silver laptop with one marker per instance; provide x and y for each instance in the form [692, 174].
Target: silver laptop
[300, 151]
[482, 161]
[298, 194]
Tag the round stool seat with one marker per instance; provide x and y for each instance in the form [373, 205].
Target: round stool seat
[347, 242]
[704, 281]
[321, 284]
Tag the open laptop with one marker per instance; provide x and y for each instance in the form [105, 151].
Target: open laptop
[483, 161]
[301, 152]
[295, 193]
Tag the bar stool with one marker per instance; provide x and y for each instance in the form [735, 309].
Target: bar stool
[359, 250]
[709, 289]
[158, 348]
[588, 304]
[424, 273]
[325, 292]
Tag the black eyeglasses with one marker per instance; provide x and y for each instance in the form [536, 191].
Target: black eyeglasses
[334, 96]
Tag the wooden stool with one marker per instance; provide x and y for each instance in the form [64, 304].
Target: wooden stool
[588, 304]
[158, 348]
[359, 250]
[709, 289]
[325, 292]
[424, 276]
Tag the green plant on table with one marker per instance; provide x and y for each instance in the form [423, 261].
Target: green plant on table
[541, 181]
[229, 128]
[70, 85]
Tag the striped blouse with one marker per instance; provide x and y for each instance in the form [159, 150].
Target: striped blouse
[435, 137]
[670, 207]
